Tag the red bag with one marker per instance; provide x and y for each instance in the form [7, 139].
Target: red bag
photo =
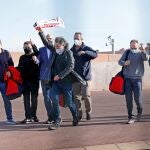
[117, 84]
[62, 101]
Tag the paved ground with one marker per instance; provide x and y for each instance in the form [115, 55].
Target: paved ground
[108, 126]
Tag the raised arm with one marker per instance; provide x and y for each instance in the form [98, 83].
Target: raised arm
[44, 40]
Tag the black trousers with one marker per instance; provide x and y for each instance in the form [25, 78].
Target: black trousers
[30, 97]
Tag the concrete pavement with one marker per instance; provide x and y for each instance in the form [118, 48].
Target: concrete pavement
[138, 145]
[107, 129]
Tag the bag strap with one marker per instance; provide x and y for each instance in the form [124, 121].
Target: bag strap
[126, 58]
[127, 54]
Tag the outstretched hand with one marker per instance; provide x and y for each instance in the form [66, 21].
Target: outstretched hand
[37, 27]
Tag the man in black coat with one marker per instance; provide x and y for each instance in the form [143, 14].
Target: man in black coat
[30, 75]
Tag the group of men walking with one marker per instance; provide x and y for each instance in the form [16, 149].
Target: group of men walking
[69, 75]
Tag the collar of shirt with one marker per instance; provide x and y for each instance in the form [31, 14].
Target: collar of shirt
[48, 52]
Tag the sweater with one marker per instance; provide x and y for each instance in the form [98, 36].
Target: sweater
[136, 68]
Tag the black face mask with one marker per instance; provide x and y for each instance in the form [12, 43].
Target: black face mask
[27, 50]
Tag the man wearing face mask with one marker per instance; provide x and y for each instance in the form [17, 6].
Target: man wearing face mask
[133, 70]
[83, 56]
[30, 74]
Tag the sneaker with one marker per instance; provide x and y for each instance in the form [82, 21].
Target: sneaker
[54, 126]
[75, 122]
[80, 115]
[130, 121]
[49, 121]
[88, 116]
[139, 116]
[26, 121]
[60, 120]
[35, 119]
[11, 122]
[133, 116]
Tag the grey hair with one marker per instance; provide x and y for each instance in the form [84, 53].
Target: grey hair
[63, 41]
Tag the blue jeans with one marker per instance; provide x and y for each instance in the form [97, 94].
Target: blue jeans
[47, 100]
[133, 87]
[7, 103]
[59, 88]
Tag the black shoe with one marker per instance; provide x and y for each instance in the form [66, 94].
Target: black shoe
[88, 116]
[54, 126]
[35, 119]
[26, 121]
[49, 121]
[75, 122]
[80, 115]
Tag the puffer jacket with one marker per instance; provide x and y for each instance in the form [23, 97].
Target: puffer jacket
[13, 81]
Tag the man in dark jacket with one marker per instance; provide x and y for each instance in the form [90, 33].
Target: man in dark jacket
[83, 56]
[30, 75]
[5, 61]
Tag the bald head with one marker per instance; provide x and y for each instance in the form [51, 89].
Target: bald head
[49, 38]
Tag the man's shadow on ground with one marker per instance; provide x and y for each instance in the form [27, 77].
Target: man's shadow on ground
[41, 126]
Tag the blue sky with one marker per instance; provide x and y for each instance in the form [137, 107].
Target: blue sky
[96, 19]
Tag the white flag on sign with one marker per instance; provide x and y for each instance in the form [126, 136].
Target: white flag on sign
[56, 22]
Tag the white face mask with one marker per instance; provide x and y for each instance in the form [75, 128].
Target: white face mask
[59, 51]
[77, 42]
